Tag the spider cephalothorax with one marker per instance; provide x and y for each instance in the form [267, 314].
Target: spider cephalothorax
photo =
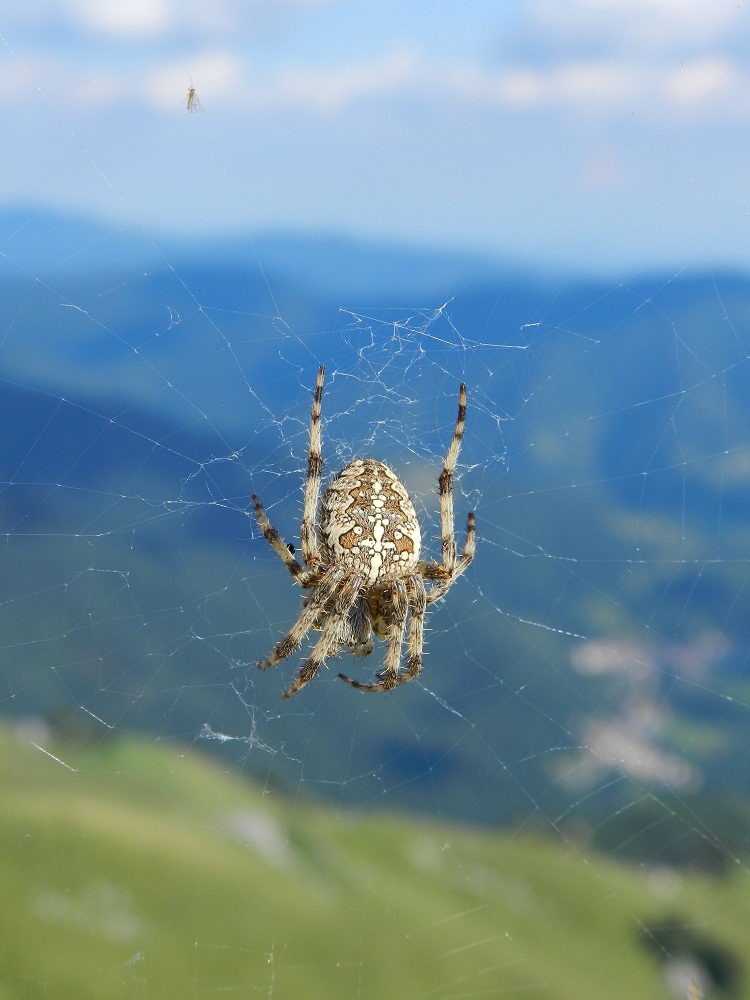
[362, 568]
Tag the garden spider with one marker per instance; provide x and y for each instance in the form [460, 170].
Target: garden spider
[362, 567]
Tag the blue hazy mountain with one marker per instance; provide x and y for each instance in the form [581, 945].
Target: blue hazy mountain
[39, 242]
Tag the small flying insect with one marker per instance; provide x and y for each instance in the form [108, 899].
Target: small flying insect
[193, 102]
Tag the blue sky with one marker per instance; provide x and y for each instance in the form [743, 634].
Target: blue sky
[608, 135]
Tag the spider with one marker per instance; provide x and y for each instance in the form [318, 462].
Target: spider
[362, 569]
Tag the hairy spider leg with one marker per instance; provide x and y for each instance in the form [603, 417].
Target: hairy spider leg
[313, 610]
[388, 676]
[446, 486]
[329, 640]
[416, 605]
[308, 533]
[280, 547]
[446, 573]
[433, 571]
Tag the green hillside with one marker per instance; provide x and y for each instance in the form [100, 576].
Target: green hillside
[143, 870]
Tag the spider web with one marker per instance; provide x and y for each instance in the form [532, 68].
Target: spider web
[585, 685]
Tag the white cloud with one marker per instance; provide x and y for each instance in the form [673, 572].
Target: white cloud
[621, 85]
[694, 81]
[130, 18]
[602, 87]
[135, 19]
[656, 58]
[607, 58]
[222, 81]
[612, 84]
[644, 26]
[333, 89]
[715, 87]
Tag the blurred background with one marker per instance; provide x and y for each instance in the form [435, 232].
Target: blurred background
[606, 136]
[546, 201]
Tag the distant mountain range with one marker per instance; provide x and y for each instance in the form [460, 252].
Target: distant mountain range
[38, 242]
[596, 654]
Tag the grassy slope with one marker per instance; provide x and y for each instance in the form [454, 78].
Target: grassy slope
[148, 872]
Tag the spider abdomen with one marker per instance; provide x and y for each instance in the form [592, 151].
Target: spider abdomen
[368, 523]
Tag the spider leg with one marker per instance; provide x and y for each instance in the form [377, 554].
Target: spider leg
[356, 630]
[417, 608]
[470, 545]
[330, 639]
[308, 533]
[453, 565]
[309, 616]
[430, 570]
[445, 580]
[446, 486]
[277, 543]
[388, 677]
